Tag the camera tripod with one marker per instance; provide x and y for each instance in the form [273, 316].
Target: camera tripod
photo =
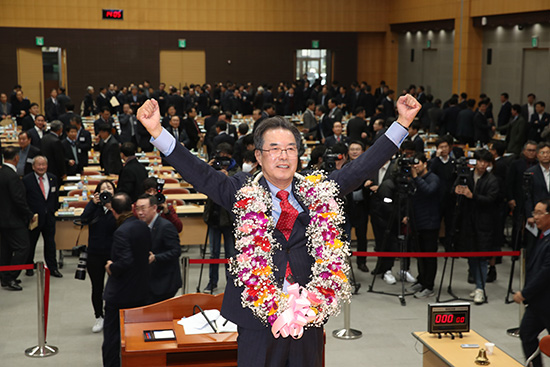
[402, 202]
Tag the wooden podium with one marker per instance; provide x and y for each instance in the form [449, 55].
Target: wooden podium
[186, 350]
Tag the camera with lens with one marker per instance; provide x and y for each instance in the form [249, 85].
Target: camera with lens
[405, 165]
[527, 181]
[329, 160]
[220, 162]
[81, 266]
[462, 169]
[403, 175]
[161, 199]
[105, 197]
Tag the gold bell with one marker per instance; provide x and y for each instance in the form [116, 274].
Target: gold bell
[481, 358]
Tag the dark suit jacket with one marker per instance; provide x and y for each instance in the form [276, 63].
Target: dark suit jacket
[84, 143]
[418, 144]
[222, 138]
[182, 135]
[516, 134]
[33, 152]
[109, 157]
[143, 138]
[331, 140]
[65, 118]
[165, 270]
[355, 128]
[27, 122]
[325, 125]
[35, 138]
[68, 152]
[192, 132]
[15, 212]
[536, 125]
[7, 111]
[131, 178]
[389, 107]
[504, 114]
[53, 110]
[221, 189]
[336, 115]
[539, 190]
[100, 121]
[537, 279]
[481, 128]
[126, 124]
[53, 150]
[38, 204]
[128, 284]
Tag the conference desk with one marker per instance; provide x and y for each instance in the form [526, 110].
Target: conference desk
[186, 350]
[448, 352]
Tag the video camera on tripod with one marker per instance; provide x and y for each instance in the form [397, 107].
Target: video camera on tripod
[329, 160]
[462, 169]
[161, 199]
[403, 175]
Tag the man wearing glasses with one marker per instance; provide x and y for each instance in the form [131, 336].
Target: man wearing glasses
[536, 291]
[277, 142]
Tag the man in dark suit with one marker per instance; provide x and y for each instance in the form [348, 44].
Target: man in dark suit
[222, 137]
[83, 139]
[38, 131]
[505, 112]
[336, 136]
[53, 150]
[334, 112]
[73, 154]
[310, 127]
[539, 120]
[132, 174]
[539, 186]
[192, 128]
[323, 97]
[268, 111]
[26, 153]
[52, 107]
[358, 97]
[389, 105]
[465, 123]
[325, 123]
[109, 148]
[135, 100]
[273, 138]
[128, 269]
[28, 121]
[449, 117]
[14, 220]
[515, 130]
[128, 124]
[20, 107]
[378, 129]
[67, 115]
[414, 136]
[174, 127]
[357, 129]
[165, 276]
[535, 293]
[42, 197]
[102, 100]
[5, 107]
[104, 119]
[482, 128]
[528, 109]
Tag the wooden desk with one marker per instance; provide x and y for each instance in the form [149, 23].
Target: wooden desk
[186, 350]
[447, 352]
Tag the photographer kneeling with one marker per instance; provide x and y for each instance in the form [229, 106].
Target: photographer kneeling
[101, 226]
[425, 214]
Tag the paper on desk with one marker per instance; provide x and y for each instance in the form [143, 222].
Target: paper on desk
[197, 324]
[532, 229]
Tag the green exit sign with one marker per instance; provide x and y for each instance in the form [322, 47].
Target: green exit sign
[182, 43]
[534, 42]
[429, 44]
[315, 44]
[39, 41]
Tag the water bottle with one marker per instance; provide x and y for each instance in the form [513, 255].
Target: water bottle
[80, 185]
[85, 193]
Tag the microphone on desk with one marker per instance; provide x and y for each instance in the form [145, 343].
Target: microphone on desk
[212, 325]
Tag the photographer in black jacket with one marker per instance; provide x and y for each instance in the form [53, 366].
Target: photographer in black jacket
[425, 222]
[477, 195]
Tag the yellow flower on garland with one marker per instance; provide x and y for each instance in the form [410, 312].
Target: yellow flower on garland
[336, 244]
[262, 271]
[332, 215]
[314, 178]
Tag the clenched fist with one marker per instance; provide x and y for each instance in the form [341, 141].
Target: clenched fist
[407, 107]
[149, 115]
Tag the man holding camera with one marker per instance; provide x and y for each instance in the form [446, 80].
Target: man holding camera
[165, 279]
[128, 269]
[153, 186]
[477, 196]
[218, 219]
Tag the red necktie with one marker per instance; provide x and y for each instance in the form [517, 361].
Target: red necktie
[41, 179]
[286, 221]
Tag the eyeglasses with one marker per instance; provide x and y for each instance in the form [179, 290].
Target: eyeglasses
[276, 152]
[142, 208]
[538, 214]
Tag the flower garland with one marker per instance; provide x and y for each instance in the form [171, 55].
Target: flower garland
[288, 313]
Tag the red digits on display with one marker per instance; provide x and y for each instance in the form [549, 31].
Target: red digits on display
[447, 319]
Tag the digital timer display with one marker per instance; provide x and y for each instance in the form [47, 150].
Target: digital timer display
[448, 318]
[113, 14]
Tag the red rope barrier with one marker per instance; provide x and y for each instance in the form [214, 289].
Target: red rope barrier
[393, 254]
[16, 267]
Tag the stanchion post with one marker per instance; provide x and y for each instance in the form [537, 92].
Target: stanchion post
[185, 274]
[42, 349]
[515, 330]
[347, 332]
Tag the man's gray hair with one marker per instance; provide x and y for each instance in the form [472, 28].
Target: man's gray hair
[39, 157]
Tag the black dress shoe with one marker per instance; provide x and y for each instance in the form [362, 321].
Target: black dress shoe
[56, 273]
[491, 274]
[12, 285]
[471, 279]
[29, 272]
[363, 268]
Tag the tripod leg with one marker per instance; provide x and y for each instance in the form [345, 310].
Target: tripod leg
[203, 250]
[442, 277]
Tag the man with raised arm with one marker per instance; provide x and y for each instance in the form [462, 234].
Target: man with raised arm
[287, 235]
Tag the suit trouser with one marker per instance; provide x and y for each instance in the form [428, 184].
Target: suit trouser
[427, 266]
[14, 247]
[532, 323]
[261, 348]
[96, 269]
[379, 226]
[215, 237]
[48, 234]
